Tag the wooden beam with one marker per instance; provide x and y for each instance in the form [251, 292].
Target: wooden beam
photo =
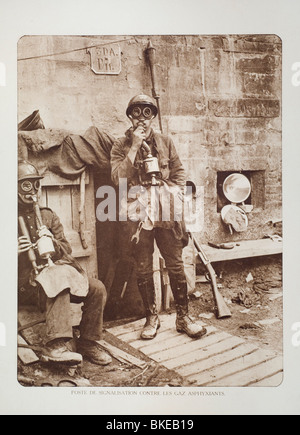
[244, 249]
[121, 355]
[26, 355]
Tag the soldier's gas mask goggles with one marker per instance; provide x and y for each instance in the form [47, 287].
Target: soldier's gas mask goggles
[142, 112]
[28, 190]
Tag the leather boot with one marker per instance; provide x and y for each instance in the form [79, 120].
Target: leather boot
[57, 351]
[147, 291]
[93, 352]
[183, 322]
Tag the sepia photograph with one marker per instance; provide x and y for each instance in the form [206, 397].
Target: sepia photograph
[149, 198]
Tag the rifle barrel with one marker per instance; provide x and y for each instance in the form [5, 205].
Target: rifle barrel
[151, 58]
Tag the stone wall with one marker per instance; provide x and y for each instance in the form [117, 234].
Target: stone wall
[220, 99]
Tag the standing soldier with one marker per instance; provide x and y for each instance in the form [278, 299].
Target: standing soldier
[131, 157]
[50, 277]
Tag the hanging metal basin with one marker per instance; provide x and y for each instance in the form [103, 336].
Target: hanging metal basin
[237, 188]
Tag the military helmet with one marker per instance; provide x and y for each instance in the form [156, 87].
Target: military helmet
[141, 99]
[27, 170]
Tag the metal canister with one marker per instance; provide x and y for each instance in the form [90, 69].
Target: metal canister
[151, 165]
[45, 247]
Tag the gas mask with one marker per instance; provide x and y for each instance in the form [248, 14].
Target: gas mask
[28, 191]
[142, 112]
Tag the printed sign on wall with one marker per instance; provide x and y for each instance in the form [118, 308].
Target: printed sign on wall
[105, 59]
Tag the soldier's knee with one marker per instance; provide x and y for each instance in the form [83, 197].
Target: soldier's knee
[97, 288]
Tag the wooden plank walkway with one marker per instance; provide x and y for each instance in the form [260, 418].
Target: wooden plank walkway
[218, 359]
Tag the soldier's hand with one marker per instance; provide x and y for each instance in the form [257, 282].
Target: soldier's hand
[23, 244]
[138, 136]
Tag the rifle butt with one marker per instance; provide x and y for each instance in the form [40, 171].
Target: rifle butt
[222, 309]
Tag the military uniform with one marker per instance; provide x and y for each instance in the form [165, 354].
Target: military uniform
[169, 233]
[58, 320]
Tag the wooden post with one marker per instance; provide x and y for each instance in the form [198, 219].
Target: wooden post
[157, 278]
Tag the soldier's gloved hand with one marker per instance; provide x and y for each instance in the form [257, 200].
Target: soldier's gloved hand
[23, 244]
[138, 136]
[43, 231]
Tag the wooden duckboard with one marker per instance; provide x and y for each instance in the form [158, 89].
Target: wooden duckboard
[217, 359]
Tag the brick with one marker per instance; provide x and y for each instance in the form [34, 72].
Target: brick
[263, 85]
[216, 137]
[245, 137]
[247, 108]
[274, 190]
[215, 42]
[188, 145]
[237, 159]
[219, 78]
[271, 137]
[259, 65]
[183, 124]
[252, 123]
[188, 99]
[253, 44]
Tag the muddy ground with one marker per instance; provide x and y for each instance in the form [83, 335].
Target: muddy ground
[252, 289]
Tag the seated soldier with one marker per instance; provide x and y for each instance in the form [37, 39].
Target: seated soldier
[51, 278]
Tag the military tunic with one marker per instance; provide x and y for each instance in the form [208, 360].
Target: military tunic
[169, 235]
[57, 309]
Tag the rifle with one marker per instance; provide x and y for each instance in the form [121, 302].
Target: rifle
[150, 52]
[222, 309]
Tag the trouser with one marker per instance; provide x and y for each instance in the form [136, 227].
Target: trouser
[142, 252]
[58, 313]
[171, 250]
